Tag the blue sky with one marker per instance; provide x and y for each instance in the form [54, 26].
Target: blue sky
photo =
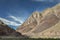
[17, 11]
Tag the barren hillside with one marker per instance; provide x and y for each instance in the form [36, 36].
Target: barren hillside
[44, 23]
[7, 31]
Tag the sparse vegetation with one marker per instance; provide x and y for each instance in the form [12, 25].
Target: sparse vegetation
[29, 39]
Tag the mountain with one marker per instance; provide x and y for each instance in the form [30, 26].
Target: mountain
[30, 23]
[44, 24]
[5, 30]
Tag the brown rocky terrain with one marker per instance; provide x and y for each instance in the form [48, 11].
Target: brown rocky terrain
[44, 24]
[7, 31]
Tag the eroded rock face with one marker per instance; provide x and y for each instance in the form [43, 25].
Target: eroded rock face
[47, 22]
[39, 22]
[31, 22]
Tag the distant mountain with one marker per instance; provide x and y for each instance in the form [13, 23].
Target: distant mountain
[7, 31]
[44, 24]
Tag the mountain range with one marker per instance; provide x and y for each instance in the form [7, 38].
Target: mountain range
[44, 24]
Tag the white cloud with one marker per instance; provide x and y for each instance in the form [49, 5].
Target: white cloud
[47, 0]
[16, 19]
[9, 22]
[39, 0]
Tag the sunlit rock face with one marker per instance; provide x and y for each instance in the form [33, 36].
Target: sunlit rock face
[44, 24]
[30, 23]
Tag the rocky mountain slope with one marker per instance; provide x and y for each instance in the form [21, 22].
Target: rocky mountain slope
[44, 24]
[7, 31]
